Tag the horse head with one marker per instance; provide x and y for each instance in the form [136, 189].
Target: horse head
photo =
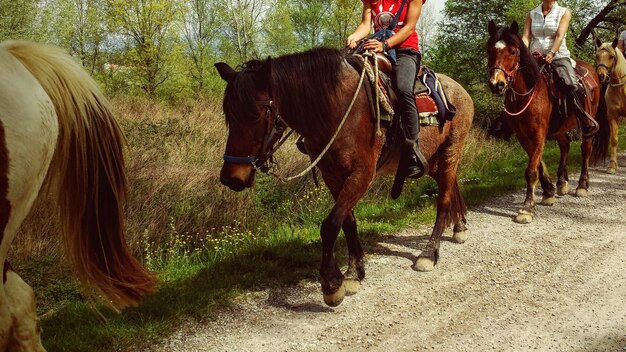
[606, 59]
[503, 49]
[251, 119]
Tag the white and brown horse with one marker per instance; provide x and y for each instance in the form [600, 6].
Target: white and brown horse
[57, 129]
[611, 67]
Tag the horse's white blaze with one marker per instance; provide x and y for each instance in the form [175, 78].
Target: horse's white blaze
[500, 45]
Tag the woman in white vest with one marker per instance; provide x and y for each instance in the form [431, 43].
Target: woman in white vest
[545, 30]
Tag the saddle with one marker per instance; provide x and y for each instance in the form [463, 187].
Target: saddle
[557, 95]
[433, 105]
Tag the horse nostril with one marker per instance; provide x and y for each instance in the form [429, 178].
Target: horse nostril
[223, 181]
[496, 87]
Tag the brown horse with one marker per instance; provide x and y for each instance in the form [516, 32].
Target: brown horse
[311, 92]
[611, 66]
[529, 111]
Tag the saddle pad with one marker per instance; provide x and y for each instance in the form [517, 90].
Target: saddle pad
[427, 109]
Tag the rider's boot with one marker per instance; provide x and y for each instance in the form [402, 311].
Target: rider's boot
[588, 125]
[417, 165]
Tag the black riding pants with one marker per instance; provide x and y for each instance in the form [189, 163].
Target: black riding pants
[565, 71]
[403, 78]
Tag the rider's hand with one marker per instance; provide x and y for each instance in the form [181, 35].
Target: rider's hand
[351, 42]
[374, 46]
[549, 57]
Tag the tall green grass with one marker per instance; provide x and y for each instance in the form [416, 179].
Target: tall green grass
[208, 244]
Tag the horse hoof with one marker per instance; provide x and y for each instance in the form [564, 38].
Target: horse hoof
[424, 264]
[611, 170]
[335, 299]
[581, 192]
[563, 190]
[352, 286]
[548, 201]
[461, 237]
[524, 217]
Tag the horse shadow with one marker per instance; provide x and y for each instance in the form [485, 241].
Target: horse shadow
[281, 298]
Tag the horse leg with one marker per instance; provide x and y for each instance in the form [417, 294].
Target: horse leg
[583, 182]
[535, 152]
[460, 231]
[346, 195]
[26, 329]
[430, 255]
[356, 267]
[562, 183]
[547, 185]
[614, 139]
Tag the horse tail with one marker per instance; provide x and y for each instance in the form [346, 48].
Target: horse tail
[458, 209]
[87, 177]
[602, 137]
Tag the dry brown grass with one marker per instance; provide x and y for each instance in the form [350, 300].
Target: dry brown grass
[173, 158]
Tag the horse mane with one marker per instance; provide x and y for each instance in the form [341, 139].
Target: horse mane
[239, 98]
[304, 84]
[528, 65]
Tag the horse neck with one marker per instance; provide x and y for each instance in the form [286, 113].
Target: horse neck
[620, 67]
[525, 79]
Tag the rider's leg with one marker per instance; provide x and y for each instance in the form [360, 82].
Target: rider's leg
[403, 78]
[576, 96]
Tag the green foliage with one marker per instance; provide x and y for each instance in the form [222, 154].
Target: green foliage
[17, 18]
[279, 29]
[147, 27]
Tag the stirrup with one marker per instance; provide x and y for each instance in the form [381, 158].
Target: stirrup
[420, 169]
[592, 131]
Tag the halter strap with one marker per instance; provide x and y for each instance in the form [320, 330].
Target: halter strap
[610, 73]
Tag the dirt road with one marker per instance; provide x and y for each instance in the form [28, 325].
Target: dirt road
[558, 284]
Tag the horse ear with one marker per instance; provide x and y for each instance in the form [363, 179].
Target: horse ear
[226, 72]
[614, 43]
[515, 27]
[492, 28]
[598, 42]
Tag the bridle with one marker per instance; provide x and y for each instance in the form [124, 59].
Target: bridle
[610, 71]
[510, 78]
[274, 130]
[264, 161]
[509, 75]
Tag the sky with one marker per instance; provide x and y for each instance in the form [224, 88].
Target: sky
[439, 4]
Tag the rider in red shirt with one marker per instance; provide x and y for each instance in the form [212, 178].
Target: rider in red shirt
[408, 58]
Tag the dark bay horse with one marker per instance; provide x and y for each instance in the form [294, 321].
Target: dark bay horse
[529, 111]
[311, 92]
